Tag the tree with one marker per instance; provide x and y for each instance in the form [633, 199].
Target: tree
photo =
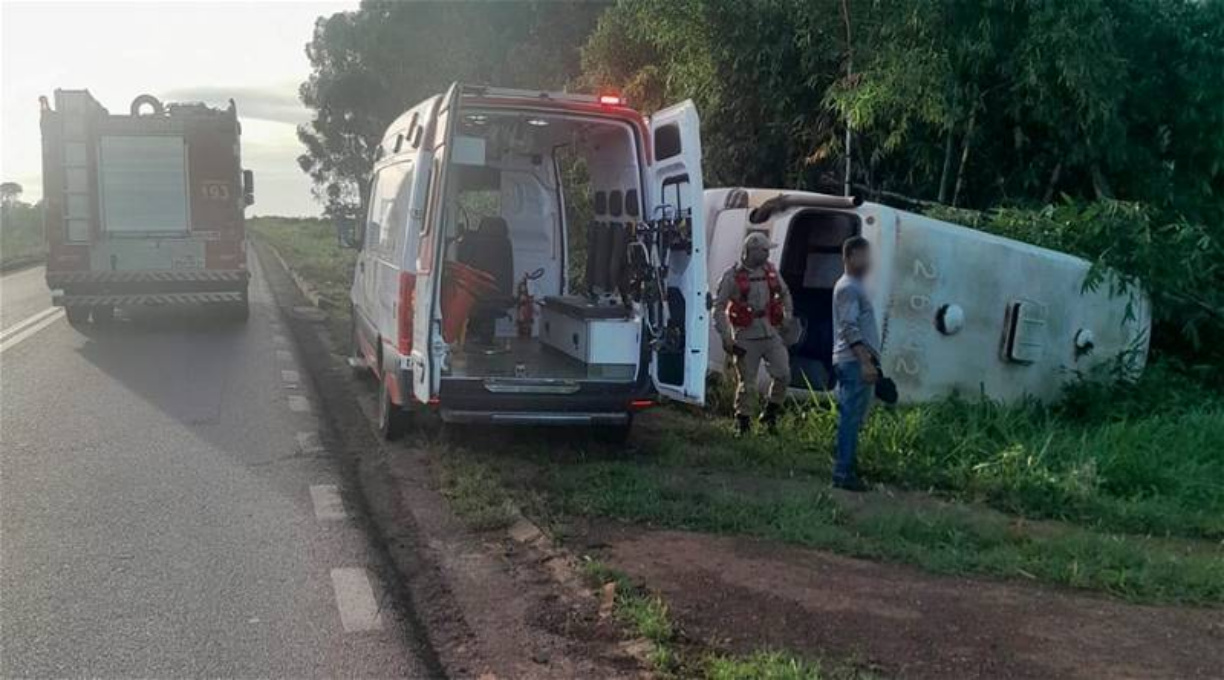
[1093, 99]
[370, 65]
[10, 193]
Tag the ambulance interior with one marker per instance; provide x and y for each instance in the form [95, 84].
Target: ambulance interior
[514, 178]
[810, 265]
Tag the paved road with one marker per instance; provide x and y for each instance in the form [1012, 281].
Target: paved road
[22, 293]
[165, 509]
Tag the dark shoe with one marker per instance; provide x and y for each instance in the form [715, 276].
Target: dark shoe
[743, 425]
[769, 417]
[853, 484]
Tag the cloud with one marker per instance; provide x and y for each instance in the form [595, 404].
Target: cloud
[278, 104]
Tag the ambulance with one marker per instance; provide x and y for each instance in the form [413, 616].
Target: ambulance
[533, 258]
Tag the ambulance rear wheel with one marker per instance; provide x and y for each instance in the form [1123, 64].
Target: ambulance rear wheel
[615, 435]
[391, 419]
[77, 316]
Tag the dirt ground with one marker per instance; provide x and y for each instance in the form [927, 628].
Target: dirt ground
[743, 594]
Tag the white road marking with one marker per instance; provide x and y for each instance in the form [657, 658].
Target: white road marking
[298, 403]
[355, 600]
[26, 328]
[327, 504]
[290, 377]
[28, 321]
[284, 355]
[308, 442]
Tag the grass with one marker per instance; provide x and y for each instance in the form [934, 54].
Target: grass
[1145, 458]
[311, 248]
[476, 494]
[773, 666]
[950, 539]
[646, 615]
[1131, 475]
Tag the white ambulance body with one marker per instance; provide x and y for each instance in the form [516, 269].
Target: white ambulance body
[960, 311]
[468, 298]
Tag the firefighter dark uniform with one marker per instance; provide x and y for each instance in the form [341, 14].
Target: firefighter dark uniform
[751, 308]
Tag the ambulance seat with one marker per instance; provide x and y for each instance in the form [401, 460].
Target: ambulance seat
[489, 249]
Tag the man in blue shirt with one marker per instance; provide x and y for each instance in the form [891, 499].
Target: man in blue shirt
[856, 352]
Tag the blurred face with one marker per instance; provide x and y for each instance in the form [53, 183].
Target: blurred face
[859, 262]
[756, 257]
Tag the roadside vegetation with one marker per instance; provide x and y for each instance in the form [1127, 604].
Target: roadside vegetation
[21, 234]
[311, 247]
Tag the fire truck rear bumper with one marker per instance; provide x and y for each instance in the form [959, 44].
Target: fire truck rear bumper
[148, 299]
[208, 277]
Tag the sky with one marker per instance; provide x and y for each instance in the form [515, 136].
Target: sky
[253, 52]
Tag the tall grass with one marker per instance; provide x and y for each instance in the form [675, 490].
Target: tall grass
[1144, 457]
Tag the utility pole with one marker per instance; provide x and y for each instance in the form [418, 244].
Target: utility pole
[849, 75]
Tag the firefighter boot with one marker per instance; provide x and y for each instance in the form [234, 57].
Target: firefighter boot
[769, 417]
[743, 425]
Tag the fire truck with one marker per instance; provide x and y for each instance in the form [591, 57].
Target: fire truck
[143, 208]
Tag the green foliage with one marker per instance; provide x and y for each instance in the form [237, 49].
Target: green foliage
[1017, 102]
[21, 232]
[476, 495]
[774, 665]
[372, 64]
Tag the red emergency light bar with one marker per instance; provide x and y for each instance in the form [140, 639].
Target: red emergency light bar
[611, 100]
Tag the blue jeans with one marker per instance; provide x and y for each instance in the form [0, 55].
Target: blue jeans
[853, 401]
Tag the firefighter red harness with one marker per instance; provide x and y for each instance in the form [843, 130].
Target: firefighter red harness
[742, 314]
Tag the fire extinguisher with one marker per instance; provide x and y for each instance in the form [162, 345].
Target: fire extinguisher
[525, 316]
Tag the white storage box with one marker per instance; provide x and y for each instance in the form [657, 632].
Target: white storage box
[590, 334]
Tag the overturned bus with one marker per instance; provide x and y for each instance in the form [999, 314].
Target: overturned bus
[960, 311]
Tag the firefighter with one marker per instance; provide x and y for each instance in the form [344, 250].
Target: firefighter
[752, 309]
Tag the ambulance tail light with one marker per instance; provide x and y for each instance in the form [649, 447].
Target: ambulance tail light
[407, 296]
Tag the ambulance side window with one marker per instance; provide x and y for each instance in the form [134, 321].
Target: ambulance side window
[372, 225]
[389, 209]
